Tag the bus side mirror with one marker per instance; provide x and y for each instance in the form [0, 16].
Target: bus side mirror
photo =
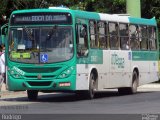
[4, 30]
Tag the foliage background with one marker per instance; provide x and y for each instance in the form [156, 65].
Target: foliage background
[149, 8]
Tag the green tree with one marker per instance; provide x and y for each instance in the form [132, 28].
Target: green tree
[2, 11]
[150, 9]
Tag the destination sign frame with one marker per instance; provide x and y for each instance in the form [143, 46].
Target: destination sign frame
[41, 18]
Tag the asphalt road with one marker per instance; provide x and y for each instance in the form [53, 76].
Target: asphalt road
[145, 104]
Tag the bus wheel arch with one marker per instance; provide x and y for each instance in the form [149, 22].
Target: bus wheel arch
[134, 84]
[137, 71]
[95, 73]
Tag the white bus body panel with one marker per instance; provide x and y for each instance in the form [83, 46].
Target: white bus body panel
[110, 75]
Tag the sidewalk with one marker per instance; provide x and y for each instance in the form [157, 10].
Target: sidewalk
[5, 92]
[149, 87]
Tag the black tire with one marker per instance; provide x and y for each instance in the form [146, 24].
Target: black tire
[133, 88]
[123, 91]
[92, 84]
[32, 95]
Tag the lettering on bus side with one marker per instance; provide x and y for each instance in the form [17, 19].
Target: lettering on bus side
[94, 58]
[118, 61]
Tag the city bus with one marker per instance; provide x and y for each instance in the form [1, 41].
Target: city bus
[64, 50]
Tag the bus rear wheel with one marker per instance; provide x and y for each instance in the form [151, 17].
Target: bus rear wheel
[32, 94]
[133, 88]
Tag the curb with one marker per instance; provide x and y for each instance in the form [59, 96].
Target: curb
[6, 93]
[152, 85]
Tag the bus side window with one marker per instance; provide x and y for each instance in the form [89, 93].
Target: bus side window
[113, 35]
[134, 37]
[82, 40]
[152, 38]
[102, 34]
[143, 38]
[93, 34]
[124, 36]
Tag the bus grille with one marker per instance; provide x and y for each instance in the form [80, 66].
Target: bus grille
[43, 76]
[46, 83]
[39, 70]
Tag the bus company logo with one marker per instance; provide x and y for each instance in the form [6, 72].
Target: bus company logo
[118, 61]
[39, 76]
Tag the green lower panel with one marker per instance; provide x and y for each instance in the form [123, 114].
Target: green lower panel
[21, 85]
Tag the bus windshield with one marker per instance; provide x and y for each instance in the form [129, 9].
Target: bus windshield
[40, 44]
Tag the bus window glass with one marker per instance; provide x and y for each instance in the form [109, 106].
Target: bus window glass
[27, 45]
[82, 42]
[102, 35]
[143, 38]
[134, 37]
[152, 37]
[124, 36]
[113, 35]
[93, 34]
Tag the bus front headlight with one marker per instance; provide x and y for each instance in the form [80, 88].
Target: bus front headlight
[66, 73]
[15, 74]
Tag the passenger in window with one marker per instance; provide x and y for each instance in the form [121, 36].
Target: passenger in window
[152, 39]
[135, 42]
[114, 38]
[82, 46]
[127, 45]
[124, 36]
[102, 42]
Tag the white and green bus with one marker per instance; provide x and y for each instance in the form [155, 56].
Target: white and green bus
[67, 50]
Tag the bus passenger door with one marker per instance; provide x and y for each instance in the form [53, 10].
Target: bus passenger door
[82, 55]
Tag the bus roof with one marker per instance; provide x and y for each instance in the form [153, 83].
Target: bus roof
[96, 16]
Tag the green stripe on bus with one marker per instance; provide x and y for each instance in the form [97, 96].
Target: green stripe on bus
[142, 21]
[95, 56]
[144, 55]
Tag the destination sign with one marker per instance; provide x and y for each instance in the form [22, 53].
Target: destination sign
[41, 18]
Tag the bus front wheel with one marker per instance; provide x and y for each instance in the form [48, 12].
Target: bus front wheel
[32, 94]
[92, 84]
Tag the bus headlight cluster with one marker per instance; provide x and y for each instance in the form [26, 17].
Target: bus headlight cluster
[15, 74]
[66, 73]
